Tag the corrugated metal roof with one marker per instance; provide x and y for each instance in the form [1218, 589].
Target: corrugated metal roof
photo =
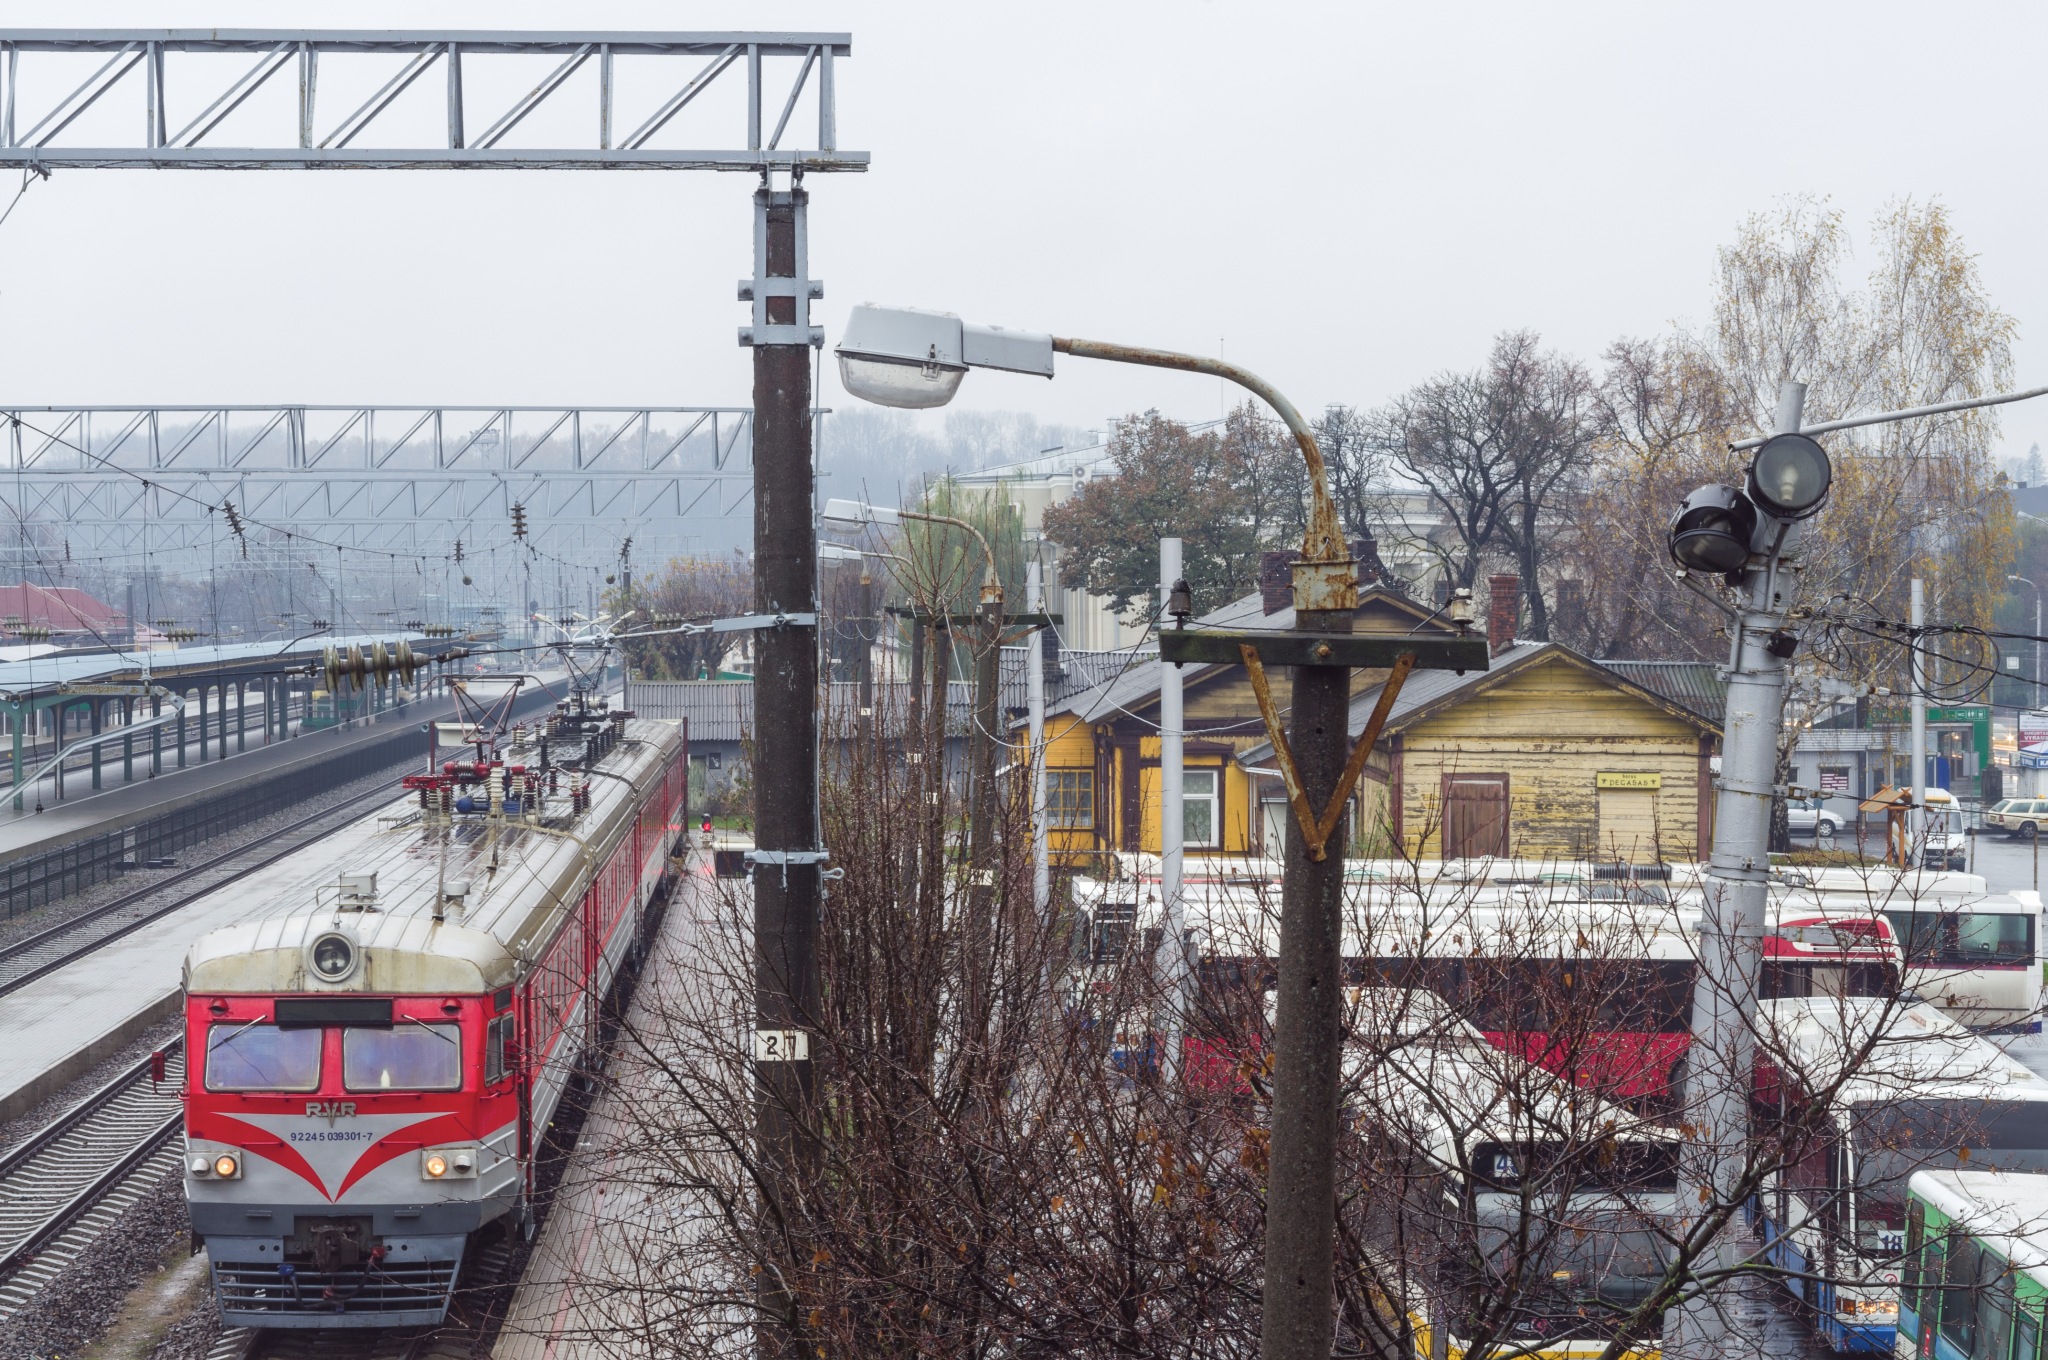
[1136, 685]
[723, 710]
[1426, 688]
[42, 675]
[1696, 686]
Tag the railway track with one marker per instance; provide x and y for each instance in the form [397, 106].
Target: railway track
[63, 1185]
[46, 951]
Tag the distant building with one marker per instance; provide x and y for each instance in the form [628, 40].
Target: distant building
[72, 617]
[720, 713]
[1546, 754]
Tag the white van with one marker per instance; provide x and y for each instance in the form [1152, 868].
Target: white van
[1946, 847]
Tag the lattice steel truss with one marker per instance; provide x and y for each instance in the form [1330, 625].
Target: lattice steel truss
[407, 479]
[210, 99]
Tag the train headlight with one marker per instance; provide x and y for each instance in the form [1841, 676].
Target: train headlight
[448, 1164]
[226, 1167]
[331, 957]
[199, 1165]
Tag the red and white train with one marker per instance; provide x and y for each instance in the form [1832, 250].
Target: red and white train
[379, 1048]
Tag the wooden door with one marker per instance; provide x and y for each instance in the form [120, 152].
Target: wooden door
[1475, 815]
[1628, 826]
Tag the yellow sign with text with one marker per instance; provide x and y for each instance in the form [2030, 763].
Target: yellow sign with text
[1628, 779]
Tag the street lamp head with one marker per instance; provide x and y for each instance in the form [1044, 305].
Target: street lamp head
[1789, 477]
[1712, 529]
[913, 359]
[901, 356]
[842, 514]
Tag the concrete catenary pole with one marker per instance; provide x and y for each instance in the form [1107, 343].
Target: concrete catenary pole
[787, 868]
[1717, 1066]
[1034, 674]
[1916, 823]
[1171, 965]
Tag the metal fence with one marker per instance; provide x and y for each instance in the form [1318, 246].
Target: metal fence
[35, 880]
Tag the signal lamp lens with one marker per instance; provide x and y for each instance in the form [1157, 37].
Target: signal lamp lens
[333, 957]
[199, 1165]
[1712, 530]
[1790, 476]
[224, 1167]
[436, 1166]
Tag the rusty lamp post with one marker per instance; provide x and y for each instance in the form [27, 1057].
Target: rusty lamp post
[907, 358]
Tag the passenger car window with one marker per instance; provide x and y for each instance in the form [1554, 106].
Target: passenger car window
[407, 1057]
[262, 1057]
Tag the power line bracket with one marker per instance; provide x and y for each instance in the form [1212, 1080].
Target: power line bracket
[754, 622]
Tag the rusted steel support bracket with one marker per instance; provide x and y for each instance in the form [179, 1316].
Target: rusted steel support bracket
[1317, 830]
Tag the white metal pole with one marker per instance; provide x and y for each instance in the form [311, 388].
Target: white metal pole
[1172, 956]
[1034, 673]
[1916, 819]
[1718, 1080]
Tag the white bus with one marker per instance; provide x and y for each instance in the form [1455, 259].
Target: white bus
[1513, 1211]
[1882, 1089]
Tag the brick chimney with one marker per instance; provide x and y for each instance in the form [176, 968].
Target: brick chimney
[1503, 609]
[1276, 579]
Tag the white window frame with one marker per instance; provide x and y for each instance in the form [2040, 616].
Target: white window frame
[1214, 798]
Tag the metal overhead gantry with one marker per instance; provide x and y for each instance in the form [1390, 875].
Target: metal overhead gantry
[370, 476]
[212, 99]
[248, 99]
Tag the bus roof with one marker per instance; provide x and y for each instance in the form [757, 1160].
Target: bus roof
[1873, 1049]
[2007, 1210]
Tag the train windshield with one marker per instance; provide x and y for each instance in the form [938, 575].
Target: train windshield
[410, 1057]
[1965, 937]
[262, 1057]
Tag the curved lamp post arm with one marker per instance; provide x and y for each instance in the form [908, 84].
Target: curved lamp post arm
[1324, 579]
[995, 579]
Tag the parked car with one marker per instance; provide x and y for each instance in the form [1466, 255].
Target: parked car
[1809, 818]
[2020, 817]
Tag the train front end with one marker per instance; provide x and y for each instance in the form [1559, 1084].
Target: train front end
[351, 1117]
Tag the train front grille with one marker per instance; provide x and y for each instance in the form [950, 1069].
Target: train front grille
[391, 1293]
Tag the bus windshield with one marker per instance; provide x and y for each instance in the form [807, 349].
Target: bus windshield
[1964, 937]
[1893, 1140]
[1606, 1166]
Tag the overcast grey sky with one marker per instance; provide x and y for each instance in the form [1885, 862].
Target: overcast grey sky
[1347, 197]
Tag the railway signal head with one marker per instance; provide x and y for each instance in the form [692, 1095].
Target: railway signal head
[1718, 528]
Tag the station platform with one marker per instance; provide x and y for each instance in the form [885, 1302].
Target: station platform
[117, 805]
[58, 1027]
[599, 1268]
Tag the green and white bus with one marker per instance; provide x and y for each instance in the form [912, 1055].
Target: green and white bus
[1976, 1278]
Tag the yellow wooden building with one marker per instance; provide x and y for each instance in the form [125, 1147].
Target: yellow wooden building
[1546, 755]
[1102, 745]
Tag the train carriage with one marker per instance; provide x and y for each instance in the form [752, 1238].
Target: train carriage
[380, 1048]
